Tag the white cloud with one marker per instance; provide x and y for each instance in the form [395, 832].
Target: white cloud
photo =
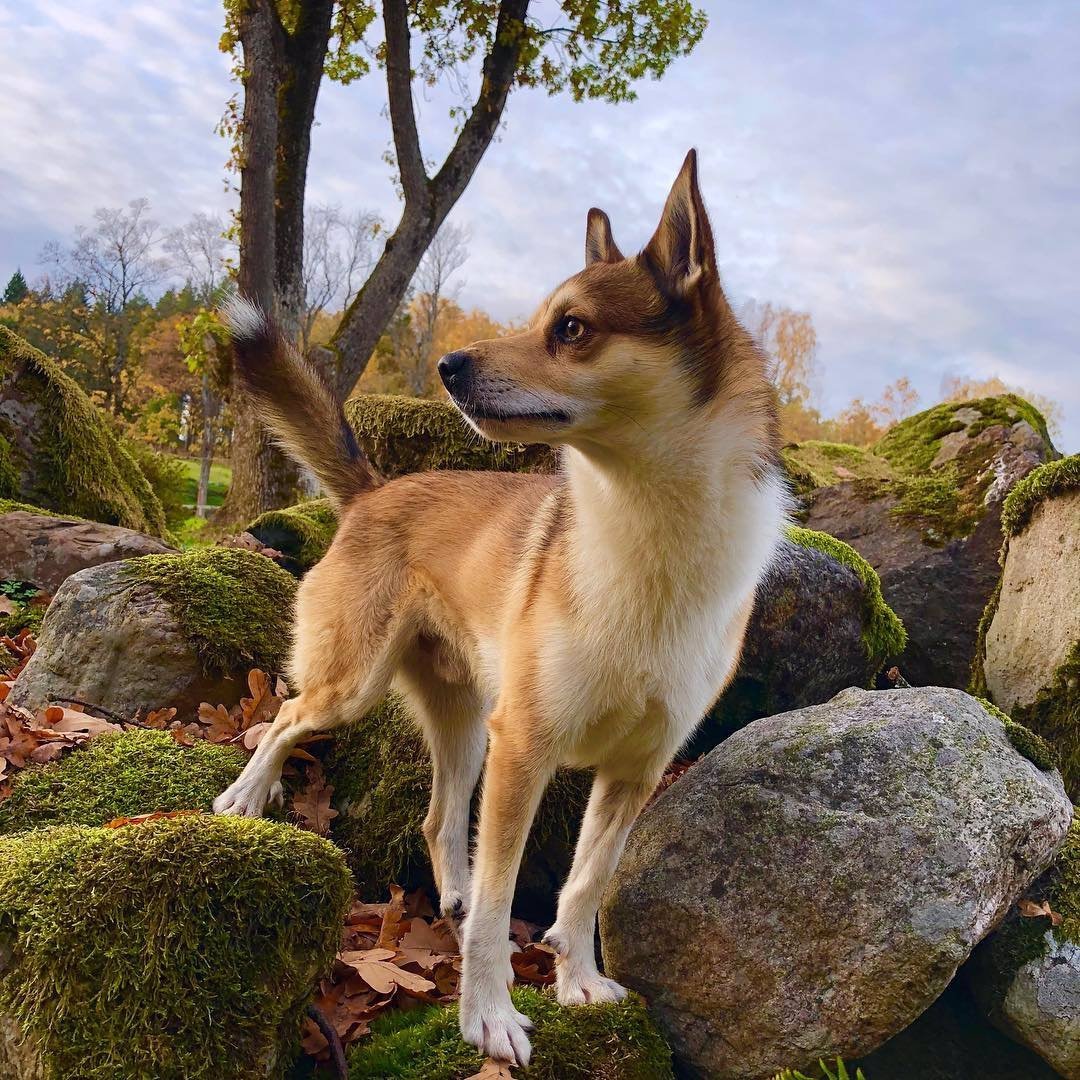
[906, 173]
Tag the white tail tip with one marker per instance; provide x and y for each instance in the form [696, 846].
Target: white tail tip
[244, 318]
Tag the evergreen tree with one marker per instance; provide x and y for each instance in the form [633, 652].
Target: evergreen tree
[17, 289]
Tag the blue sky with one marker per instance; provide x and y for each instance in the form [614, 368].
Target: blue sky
[907, 173]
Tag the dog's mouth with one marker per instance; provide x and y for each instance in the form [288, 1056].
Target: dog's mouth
[500, 416]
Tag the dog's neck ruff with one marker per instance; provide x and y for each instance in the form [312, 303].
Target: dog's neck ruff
[695, 520]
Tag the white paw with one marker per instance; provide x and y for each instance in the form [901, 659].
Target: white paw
[495, 1027]
[586, 988]
[248, 798]
[454, 906]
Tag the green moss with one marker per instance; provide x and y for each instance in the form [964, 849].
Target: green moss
[234, 606]
[1055, 715]
[1053, 478]
[587, 1042]
[10, 506]
[9, 475]
[1034, 747]
[911, 446]
[824, 1071]
[404, 435]
[381, 774]
[302, 532]
[180, 949]
[936, 504]
[120, 775]
[814, 463]
[883, 633]
[79, 466]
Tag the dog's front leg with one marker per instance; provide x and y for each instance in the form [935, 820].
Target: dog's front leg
[514, 780]
[613, 806]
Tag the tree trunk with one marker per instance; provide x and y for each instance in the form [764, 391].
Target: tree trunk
[281, 84]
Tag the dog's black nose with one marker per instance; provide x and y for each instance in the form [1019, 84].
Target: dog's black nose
[454, 370]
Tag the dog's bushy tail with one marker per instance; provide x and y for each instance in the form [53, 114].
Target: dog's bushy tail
[295, 403]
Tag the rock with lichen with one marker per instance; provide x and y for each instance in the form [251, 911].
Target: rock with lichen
[819, 624]
[43, 550]
[923, 507]
[159, 631]
[813, 883]
[58, 452]
[1028, 655]
[598, 1042]
[405, 435]
[1026, 976]
[381, 773]
[180, 947]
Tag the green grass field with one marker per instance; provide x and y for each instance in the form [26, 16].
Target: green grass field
[220, 477]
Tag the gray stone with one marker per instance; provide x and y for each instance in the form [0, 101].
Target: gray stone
[812, 885]
[45, 550]
[111, 641]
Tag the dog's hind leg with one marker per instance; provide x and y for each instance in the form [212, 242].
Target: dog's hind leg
[613, 806]
[343, 663]
[451, 714]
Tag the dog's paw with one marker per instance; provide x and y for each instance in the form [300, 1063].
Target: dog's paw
[454, 907]
[248, 798]
[496, 1028]
[586, 988]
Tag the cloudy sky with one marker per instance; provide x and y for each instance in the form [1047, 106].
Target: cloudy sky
[907, 172]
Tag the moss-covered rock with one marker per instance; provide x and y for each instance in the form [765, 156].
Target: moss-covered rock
[234, 606]
[819, 625]
[1053, 478]
[302, 533]
[381, 772]
[161, 630]
[62, 449]
[177, 949]
[931, 531]
[588, 1042]
[1026, 976]
[404, 435]
[1027, 656]
[922, 441]
[814, 464]
[119, 775]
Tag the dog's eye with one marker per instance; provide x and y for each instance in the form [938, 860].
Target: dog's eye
[569, 330]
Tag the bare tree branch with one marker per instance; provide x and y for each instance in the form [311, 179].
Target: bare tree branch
[410, 161]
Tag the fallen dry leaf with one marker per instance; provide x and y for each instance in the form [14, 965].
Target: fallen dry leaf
[159, 718]
[312, 804]
[263, 705]
[61, 718]
[1030, 910]
[376, 968]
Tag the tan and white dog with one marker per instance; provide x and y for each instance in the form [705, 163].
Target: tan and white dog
[589, 618]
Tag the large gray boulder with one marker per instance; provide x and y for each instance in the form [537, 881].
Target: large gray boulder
[932, 530]
[819, 625]
[45, 550]
[1028, 658]
[812, 885]
[160, 631]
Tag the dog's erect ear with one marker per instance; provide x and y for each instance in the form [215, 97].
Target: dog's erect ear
[600, 245]
[681, 249]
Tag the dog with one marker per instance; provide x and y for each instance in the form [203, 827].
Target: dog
[589, 618]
